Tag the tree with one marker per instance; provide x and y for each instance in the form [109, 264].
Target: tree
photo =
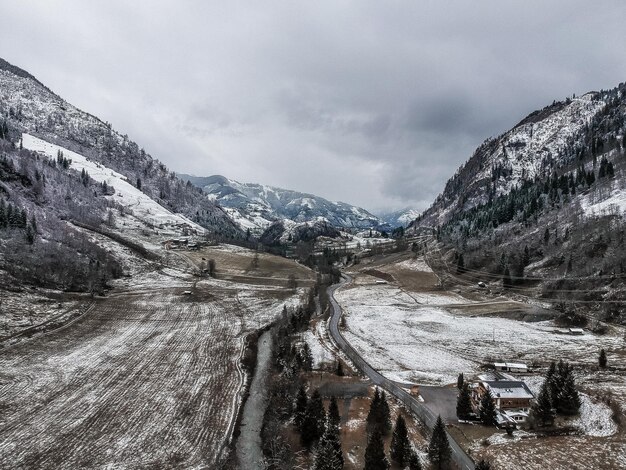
[542, 408]
[313, 422]
[506, 278]
[483, 465]
[211, 267]
[460, 265]
[487, 409]
[400, 449]
[439, 451]
[329, 455]
[305, 357]
[375, 458]
[464, 403]
[552, 383]
[460, 381]
[414, 462]
[340, 372]
[292, 282]
[333, 412]
[568, 400]
[602, 359]
[300, 407]
[139, 184]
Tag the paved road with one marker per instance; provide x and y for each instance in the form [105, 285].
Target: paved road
[460, 458]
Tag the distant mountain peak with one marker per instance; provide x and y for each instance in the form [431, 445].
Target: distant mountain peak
[256, 206]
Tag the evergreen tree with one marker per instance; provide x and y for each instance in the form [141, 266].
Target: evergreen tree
[487, 409]
[333, 412]
[339, 371]
[460, 381]
[375, 458]
[414, 462]
[305, 357]
[300, 407]
[464, 403]
[602, 359]
[546, 235]
[542, 408]
[328, 455]
[400, 449]
[552, 383]
[439, 451]
[568, 400]
[460, 266]
[385, 415]
[313, 422]
[483, 465]
[506, 279]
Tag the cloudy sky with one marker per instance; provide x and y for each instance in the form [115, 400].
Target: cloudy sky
[371, 102]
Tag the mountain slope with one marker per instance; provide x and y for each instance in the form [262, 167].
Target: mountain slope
[401, 218]
[28, 106]
[256, 206]
[544, 202]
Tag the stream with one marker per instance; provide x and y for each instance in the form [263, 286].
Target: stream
[248, 448]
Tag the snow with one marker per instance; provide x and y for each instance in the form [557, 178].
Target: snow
[127, 195]
[320, 354]
[409, 341]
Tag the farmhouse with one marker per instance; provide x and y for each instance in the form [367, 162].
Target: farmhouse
[512, 397]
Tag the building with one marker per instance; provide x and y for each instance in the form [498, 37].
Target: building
[510, 367]
[512, 398]
[576, 331]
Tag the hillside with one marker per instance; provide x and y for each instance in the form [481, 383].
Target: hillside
[28, 106]
[256, 206]
[544, 202]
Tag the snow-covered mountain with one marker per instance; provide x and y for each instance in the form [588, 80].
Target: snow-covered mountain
[545, 141]
[401, 218]
[27, 106]
[257, 206]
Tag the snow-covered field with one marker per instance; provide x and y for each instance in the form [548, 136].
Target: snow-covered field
[408, 339]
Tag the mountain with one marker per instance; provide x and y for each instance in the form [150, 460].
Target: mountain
[256, 206]
[544, 200]
[401, 218]
[68, 179]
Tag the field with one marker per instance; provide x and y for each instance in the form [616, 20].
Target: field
[147, 378]
[413, 330]
[426, 336]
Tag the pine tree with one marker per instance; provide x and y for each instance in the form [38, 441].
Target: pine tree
[506, 279]
[542, 408]
[305, 357]
[460, 381]
[385, 415]
[460, 266]
[568, 400]
[439, 451]
[464, 403]
[328, 455]
[414, 462]
[487, 409]
[483, 465]
[372, 416]
[552, 383]
[333, 412]
[300, 407]
[375, 458]
[400, 449]
[602, 359]
[339, 371]
[313, 422]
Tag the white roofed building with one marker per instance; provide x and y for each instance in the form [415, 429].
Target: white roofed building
[512, 397]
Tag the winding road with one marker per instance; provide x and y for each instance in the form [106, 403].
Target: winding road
[459, 457]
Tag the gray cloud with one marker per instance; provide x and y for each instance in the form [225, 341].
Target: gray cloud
[373, 103]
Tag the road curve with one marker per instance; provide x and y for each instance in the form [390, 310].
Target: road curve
[459, 457]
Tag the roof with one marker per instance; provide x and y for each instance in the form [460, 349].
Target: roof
[511, 365]
[508, 389]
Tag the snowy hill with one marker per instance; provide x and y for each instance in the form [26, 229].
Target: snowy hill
[126, 195]
[30, 107]
[256, 206]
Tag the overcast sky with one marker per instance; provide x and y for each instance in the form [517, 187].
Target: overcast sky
[370, 102]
